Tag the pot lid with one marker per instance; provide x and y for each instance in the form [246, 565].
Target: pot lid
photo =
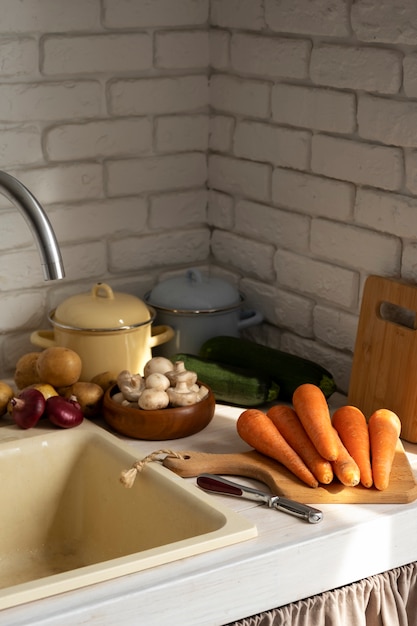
[102, 308]
[194, 292]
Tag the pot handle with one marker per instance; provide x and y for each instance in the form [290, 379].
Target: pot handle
[249, 318]
[43, 338]
[160, 334]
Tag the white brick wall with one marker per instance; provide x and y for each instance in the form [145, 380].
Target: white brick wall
[281, 146]
[359, 162]
[358, 68]
[89, 140]
[104, 115]
[238, 96]
[93, 54]
[245, 14]
[67, 183]
[157, 13]
[270, 56]
[178, 133]
[313, 195]
[317, 279]
[20, 146]
[319, 109]
[253, 259]
[387, 121]
[301, 116]
[388, 21]
[322, 160]
[177, 210]
[20, 57]
[157, 173]
[185, 246]
[240, 177]
[410, 75]
[327, 17]
[50, 101]
[185, 49]
[373, 252]
[44, 16]
[153, 96]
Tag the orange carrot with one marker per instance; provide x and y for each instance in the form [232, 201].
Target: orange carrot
[255, 427]
[384, 430]
[345, 467]
[352, 427]
[290, 427]
[310, 404]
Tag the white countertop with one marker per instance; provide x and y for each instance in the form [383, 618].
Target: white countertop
[289, 560]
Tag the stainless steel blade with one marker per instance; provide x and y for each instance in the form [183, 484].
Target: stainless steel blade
[217, 484]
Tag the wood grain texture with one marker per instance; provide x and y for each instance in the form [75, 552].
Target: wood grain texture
[402, 488]
[384, 368]
[158, 424]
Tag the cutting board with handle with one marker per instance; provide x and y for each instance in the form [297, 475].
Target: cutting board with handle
[384, 368]
[401, 490]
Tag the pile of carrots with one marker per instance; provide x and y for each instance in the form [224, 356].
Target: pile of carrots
[316, 447]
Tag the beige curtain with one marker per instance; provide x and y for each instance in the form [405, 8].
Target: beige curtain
[388, 599]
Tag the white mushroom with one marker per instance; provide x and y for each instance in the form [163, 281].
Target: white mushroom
[202, 392]
[157, 364]
[189, 377]
[131, 385]
[179, 366]
[152, 399]
[180, 395]
[157, 381]
[180, 373]
[120, 399]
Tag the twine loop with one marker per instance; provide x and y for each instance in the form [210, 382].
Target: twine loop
[128, 476]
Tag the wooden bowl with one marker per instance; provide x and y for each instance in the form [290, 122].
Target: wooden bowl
[161, 424]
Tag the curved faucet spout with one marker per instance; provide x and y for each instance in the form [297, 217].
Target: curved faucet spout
[38, 222]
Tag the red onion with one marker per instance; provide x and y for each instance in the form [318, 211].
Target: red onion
[28, 407]
[63, 412]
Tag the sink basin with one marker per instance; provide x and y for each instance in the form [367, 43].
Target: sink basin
[68, 522]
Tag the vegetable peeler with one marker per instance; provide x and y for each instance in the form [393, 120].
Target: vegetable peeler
[216, 484]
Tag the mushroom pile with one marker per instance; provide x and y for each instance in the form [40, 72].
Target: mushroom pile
[162, 385]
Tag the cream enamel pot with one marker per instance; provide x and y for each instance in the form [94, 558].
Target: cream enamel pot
[198, 307]
[110, 331]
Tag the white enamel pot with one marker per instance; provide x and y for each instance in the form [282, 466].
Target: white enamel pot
[198, 308]
[110, 331]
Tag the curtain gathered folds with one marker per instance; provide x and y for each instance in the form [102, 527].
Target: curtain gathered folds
[388, 599]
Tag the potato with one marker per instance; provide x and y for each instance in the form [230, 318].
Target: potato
[26, 372]
[89, 397]
[59, 366]
[6, 394]
[105, 380]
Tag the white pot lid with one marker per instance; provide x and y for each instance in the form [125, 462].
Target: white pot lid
[194, 292]
[101, 308]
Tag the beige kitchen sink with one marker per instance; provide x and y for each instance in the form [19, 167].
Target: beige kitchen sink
[68, 522]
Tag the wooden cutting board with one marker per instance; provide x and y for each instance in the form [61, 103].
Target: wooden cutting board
[402, 488]
[384, 368]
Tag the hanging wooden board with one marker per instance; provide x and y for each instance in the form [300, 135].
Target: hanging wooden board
[384, 368]
[402, 488]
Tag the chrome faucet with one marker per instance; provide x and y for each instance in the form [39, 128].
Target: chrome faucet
[38, 222]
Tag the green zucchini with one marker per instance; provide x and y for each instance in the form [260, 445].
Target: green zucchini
[287, 370]
[230, 384]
